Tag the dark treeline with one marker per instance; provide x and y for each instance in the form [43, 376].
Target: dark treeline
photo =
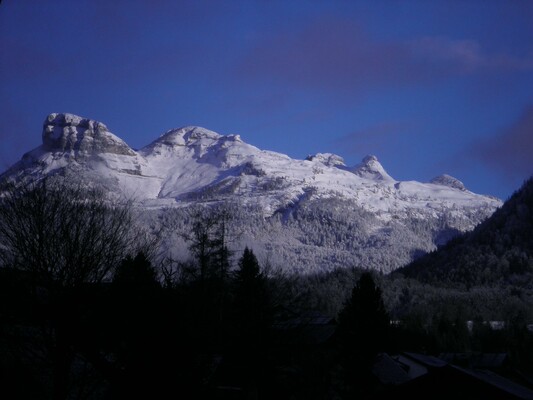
[498, 252]
[85, 313]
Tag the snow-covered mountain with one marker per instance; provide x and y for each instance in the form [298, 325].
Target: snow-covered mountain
[305, 215]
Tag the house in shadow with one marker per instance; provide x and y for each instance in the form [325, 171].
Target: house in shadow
[419, 376]
[295, 362]
[301, 355]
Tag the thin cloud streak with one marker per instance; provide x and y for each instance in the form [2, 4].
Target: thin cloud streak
[467, 56]
[336, 54]
[511, 151]
[20, 60]
[373, 138]
[14, 136]
[118, 46]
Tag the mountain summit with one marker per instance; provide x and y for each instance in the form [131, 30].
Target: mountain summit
[317, 212]
[371, 169]
[80, 137]
[186, 136]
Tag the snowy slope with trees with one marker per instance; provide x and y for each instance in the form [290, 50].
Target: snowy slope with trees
[304, 215]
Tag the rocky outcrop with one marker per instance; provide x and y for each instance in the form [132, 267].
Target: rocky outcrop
[370, 168]
[81, 137]
[450, 181]
[329, 159]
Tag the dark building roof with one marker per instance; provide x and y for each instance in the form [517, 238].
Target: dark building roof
[443, 380]
[389, 371]
[308, 328]
[426, 360]
[476, 360]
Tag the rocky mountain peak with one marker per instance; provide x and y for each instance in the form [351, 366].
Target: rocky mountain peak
[370, 168]
[450, 181]
[70, 133]
[185, 136]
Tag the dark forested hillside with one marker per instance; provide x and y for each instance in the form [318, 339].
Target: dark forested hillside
[497, 252]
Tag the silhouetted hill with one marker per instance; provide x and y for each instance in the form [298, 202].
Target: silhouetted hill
[498, 252]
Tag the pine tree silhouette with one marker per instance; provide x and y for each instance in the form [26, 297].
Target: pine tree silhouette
[252, 305]
[363, 330]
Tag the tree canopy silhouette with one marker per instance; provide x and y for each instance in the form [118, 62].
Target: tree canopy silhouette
[252, 303]
[64, 234]
[363, 329]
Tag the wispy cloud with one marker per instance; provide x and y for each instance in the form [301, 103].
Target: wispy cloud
[373, 138]
[466, 56]
[511, 151]
[333, 53]
[23, 61]
[15, 136]
[126, 41]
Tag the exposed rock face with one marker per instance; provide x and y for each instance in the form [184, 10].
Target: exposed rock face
[329, 159]
[370, 168]
[450, 181]
[81, 137]
[187, 135]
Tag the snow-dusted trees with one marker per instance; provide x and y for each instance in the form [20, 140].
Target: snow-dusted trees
[208, 242]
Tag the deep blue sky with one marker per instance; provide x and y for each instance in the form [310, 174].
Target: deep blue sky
[429, 87]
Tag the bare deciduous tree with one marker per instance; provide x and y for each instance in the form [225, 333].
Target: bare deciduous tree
[208, 241]
[63, 234]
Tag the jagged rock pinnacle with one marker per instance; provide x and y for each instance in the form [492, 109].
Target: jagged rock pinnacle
[81, 136]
